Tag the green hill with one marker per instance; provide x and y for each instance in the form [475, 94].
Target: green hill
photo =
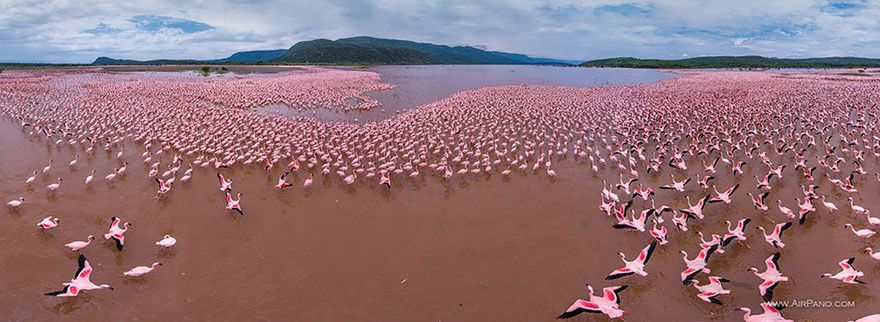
[369, 50]
[358, 50]
[736, 62]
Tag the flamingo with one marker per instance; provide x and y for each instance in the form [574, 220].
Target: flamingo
[724, 196]
[48, 223]
[47, 168]
[54, 186]
[832, 208]
[676, 185]
[697, 209]
[117, 233]
[696, 265]
[31, 179]
[607, 304]
[77, 245]
[770, 314]
[775, 238]
[233, 204]
[861, 233]
[681, 221]
[90, 176]
[759, 202]
[711, 291]
[857, 209]
[164, 186]
[80, 282]
[167, 241]
[872, 254]
[308, 182]
[737, 233]
[282, 182]
[225, 185]
[659, 234]
[141, 270]
[848, 273]
[636, 266]
[785, 210]
[771, 276]
[869, 318]
[15, 203]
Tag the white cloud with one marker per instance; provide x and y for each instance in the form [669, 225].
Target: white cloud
[79, 31]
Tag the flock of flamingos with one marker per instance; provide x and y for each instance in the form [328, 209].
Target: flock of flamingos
[815, 133]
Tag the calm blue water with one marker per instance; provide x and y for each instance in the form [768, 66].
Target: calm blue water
[419, 85]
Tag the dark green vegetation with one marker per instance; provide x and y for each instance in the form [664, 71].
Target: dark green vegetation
[255, 56]
[244, 57]
[358, 51]
[369, 50]
[208, 70]
[736, 62]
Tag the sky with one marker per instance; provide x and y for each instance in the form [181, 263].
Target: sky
[78, 31]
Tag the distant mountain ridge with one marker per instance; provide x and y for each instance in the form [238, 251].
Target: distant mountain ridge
[360, 50]
[255, 56]
[370, 50]
[736, 62]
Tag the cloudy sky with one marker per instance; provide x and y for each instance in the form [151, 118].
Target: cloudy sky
[77, 31]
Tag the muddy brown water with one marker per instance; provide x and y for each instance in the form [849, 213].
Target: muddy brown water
[476, 248]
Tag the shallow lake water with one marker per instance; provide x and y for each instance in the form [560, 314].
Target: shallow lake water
[419, 85]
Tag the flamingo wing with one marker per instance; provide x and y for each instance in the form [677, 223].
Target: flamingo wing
[618, 273]
[846, 263]
[710, 297]
[769, 309]
[730, 191]
[84, 269]
[612, 293]
[772, 261]
[688, 274]
[68, 290]
[645, 254]
[578, 307]
[766, 289]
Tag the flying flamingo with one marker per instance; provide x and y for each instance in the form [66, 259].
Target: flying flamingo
[225, 185]
[848, 274]
[696, 265]
[117, 233]
[770, 314]
[711, 291]
[775, 238]
[607, 304]
[771, 276]
[233, 204]
[80, 282]
[636, 266]
[724, 196]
